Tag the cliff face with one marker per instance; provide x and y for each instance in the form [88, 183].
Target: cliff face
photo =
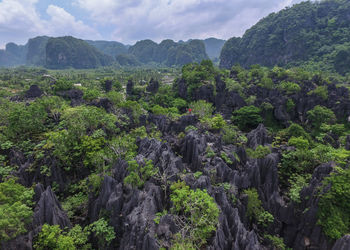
[313, 34]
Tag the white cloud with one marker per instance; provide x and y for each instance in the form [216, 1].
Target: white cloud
[179, 19]
[19, 20]
[63, 23]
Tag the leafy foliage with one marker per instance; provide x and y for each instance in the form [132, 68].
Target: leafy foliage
[255, 209]
[15, 209]
[247, 117]
[333, 214]
[139, 173]
[200, 209]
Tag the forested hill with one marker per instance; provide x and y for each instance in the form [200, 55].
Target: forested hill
[65, 52]
[313, 34]
[100, 53]
[168, 52]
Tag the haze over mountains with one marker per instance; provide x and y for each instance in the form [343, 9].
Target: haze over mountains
[65, 52]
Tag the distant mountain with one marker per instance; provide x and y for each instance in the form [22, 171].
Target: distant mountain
[169, 52]
[65, 52]
[13, 55]
[110, 48]
[36, 53]
[313, 34]
[213, 47]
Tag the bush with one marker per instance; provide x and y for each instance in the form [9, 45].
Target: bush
[91, 94]
[289, 87]
[255, 209]
[201, 212]
[104, 233]
[297, 183]
[290, 105]
[52, 237]
[259, 153]
[247, 117]
[202, 108]
[299, 142]
[229, 134]
[295, 130]
[15, 209]
[62, 84]
[139, 174]
[115, 97]
[321, 91]
[276, 241]
[319, 115]
[334, 204]
[215, 123]
[226, 158]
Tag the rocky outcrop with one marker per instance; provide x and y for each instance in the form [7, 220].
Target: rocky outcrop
[343, 243]
[129, 87]
[33, 92]
[193, 145]
[153, 86]
[104, 103]
[74, 95]
[108, 85]
[258, 136]
[301, 229]
[48, 210]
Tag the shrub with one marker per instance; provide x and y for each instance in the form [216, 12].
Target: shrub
[139, 173]
[202, 108]
[319, 115]
[104, 233]
[201, 212]
[91, 94]
[295, 130]
[255, 209]
[299, 142]
[210, 152]
[15, 209]
[267, 82]
[290, 105]
[297, 183]
[334, 204]
[259, 153]
[226, 158]
[289, 87]
[179, 103]
[232, 85]
[215, 123]
[52, 237]
[229, 134]
[276, 241]
[62, 84]
[320, 91]
[247, 117]
[115, 97]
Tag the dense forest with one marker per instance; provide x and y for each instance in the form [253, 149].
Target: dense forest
[315, 35]
[218, 159]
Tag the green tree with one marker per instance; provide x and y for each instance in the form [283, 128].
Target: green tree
[201, 212]
[247, 117]
[319, 115]
[15, 209]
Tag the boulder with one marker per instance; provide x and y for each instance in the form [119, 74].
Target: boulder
[33, 92]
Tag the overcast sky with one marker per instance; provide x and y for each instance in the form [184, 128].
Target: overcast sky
[128, 21]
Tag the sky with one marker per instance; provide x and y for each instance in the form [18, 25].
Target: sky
[128, 21]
